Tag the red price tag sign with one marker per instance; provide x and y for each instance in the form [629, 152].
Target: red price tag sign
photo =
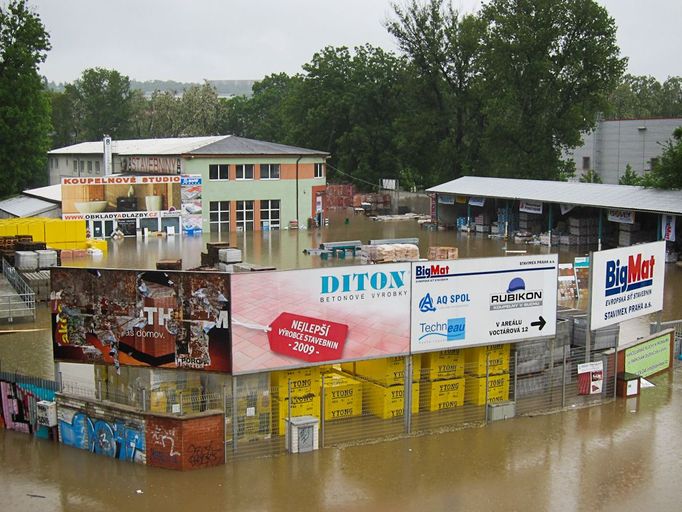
[310, 339]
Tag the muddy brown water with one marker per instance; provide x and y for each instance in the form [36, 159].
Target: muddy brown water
[625, 455]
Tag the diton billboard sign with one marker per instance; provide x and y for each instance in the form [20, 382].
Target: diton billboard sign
[627, 283]
[304, 317]
[460, 303]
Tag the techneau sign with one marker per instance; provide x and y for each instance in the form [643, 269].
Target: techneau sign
[627, 283]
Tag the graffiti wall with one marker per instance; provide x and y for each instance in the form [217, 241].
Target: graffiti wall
[138, 318]
[103, 431]
[18, 406]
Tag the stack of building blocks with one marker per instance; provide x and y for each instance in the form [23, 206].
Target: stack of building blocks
[491, 362]
[443, 383]
[296, 390]
[342, 396]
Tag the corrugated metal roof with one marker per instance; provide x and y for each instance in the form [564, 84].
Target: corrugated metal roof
[232, 145]
[24, 206]
[216, 145]
[621, 197]
[50, 193]
[175, 146]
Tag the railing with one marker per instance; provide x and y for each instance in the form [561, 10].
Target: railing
[21, 305]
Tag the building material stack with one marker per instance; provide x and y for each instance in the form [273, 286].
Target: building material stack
[340, 195]
[442, 380]
[491, 361]
[530, 223]
[383, 386]
[442, 253]
[631, 234]
[388, 253]
[482, 223]
[254, 409]
[297, 391]
[342, 396]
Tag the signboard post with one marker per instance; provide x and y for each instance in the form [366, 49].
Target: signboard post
[462, 303]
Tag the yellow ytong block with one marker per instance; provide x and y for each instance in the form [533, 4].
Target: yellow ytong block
[97, 244]
[36, 229]
[444, 364]
[388, 402]
[342, 396]
[303, 381]
[23, 227]
[498, 389]
[303, 405]
[496, 357]
[79, 230]
[10, 229]
[54, 231]
[389, 371]
[442, 394]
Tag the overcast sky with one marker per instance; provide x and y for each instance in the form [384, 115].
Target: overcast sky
[193, 40]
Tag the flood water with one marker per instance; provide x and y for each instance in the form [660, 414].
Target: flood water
[625, 455]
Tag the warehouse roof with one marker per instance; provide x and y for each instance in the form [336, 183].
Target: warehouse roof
[24, 206]
[215, 145]
[232, 146]
[51, 193]
[621, 197]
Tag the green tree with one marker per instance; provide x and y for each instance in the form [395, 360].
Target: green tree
[162, 115]
[629, 177]
[102, 104]
[24, 103]
[667, 174]
[443, 115]
[548, 67]
[198, 111]
[590, 176]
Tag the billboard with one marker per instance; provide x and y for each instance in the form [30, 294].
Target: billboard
[114, 197]
[649, 357]
[460, 303]
[141, 318]
[300, 317]
[190, 193]
[627, 283]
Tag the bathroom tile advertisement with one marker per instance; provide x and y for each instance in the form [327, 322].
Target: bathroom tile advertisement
[191, 203]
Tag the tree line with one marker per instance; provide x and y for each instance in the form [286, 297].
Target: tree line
[502, 92]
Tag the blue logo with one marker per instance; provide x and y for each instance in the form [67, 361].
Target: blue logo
[516, 284]
[426, 304]
[453, 330]
[623, 277]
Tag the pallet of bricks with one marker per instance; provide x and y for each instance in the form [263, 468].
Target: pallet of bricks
[388, 253]
[581, 231]
[383, 385]
[530, 222]
[482, 223]
[442, 380]
[296, 392]
[442, 253]
[631, 234]
[539, 362]
[486, 364]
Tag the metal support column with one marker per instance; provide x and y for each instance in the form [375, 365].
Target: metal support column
[407, 395]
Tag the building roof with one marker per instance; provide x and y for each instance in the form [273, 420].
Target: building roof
[234, 146]
[175, 146]
[24, 206]
[621, 197]
[51, 193]
[215, 145]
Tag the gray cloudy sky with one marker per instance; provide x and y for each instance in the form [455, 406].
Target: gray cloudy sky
[193, 40]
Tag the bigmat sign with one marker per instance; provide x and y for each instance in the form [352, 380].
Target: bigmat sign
[462, 303]
[298, 317]
[627, 283]
[141, 318]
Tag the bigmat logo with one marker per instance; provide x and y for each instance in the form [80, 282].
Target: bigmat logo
[638, 272]
[428, 271]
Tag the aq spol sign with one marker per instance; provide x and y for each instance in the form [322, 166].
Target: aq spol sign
[460, 303]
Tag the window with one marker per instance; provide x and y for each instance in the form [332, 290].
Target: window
[89, 166]
[586, 163]
[244, 215]
[81, 165]
[97, 166]
[269, 171]
[244, 171]
[654, 163]
[217, 172]
[319, 170]
[75, 166]
[269, 213]
[219, 216]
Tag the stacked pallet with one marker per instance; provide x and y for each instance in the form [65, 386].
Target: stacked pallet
[489, 364]
[482, 223]
[296, 392]
[442, 380]
[530, 222]
[631, 234]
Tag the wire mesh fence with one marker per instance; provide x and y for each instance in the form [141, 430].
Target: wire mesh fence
[655, 327]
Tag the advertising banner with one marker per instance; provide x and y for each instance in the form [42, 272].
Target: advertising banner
[141, 318]
[668, 228]
[460, 303]
[649, 357]
[114, 197]
[534, 207]
[627, 283]
[190, 193]
[591, 378]
[298, 317]
[621, 216]
[477, 201]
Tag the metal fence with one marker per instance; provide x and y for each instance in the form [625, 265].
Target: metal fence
[655, 327]
[21, 305]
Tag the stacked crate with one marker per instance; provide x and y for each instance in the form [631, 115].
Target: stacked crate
[493, 361]
[442, 384]
[383, 385]
[342, 396]
[582, 231]
[631, 234]
[482, 223]
[298, 390]
[530, 222]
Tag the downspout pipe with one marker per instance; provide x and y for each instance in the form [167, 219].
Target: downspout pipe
[297, 161]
